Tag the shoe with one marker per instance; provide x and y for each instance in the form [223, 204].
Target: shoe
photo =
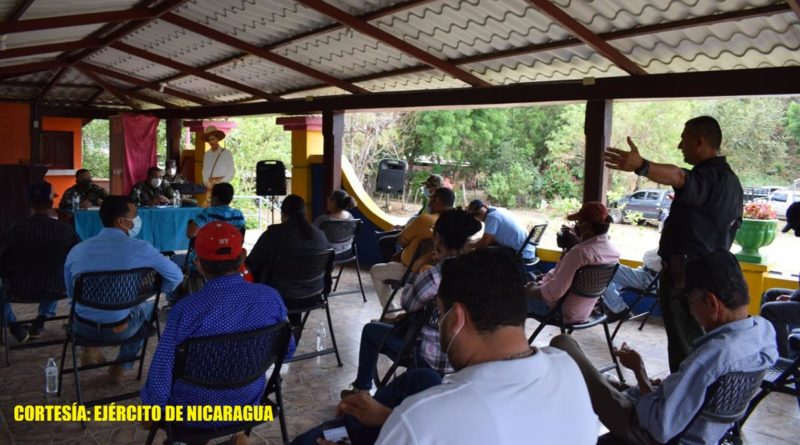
[616, 316]
[351, 392]
[91, 356]
[20, 332]
[117, 373]
[37, 327]
[239, 439]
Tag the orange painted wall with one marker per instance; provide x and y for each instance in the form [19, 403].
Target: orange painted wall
[62, 182]
[15, 133]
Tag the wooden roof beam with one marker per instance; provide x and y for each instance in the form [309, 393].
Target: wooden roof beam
[193, 71]
[260, 52]
[561, 18]
[27, 68]
[22, 6]
[66, 21]
[142, 83]
[110, 88]
[60, 72]
[393, 41]
[50, 48]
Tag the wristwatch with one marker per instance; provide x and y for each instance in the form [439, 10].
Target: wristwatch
[644, 169]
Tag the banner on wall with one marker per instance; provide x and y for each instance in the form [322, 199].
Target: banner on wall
[140, 147]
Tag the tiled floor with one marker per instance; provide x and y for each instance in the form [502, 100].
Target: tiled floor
[311, 388]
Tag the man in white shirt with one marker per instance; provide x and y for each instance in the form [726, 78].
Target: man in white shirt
[504, 391]
[217, 162]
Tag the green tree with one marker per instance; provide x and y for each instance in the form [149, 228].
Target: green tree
[254, 139]
[793, 121]
[95, 141]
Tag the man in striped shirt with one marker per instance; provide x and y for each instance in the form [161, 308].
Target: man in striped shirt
[734, 342]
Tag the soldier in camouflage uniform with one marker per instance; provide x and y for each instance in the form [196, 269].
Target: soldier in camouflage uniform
[154, 190]
[171, 175]
[90, 194]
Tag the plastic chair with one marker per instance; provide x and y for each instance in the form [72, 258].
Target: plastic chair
[342, 231]
[33, 275]
[303, 278]
[110, 290]
[423, 248]
[588, 282]
[230, 361]
[406, 356]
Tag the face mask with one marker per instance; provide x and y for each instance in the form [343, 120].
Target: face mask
[137, 226]
[171, 172]
[425, 192]
[441, 335]
[155, 182]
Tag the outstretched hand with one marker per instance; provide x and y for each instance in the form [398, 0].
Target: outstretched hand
[623, 160]
[363, 407]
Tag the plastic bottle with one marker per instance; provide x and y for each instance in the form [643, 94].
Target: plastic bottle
[322, 332]
[76, 202]
[176, 199]
[51, 377]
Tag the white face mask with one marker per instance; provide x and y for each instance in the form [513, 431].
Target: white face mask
[171, 172]
[155, 182]
[137, 226]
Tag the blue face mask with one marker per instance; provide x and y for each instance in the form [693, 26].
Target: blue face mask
[137, 226]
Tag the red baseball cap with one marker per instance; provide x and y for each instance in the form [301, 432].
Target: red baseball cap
[591, 212]
[218, 241]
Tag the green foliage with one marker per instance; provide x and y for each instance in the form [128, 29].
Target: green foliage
[563, 206]
[254, 139]
[95, 140]
[512, 186]
[793, 121]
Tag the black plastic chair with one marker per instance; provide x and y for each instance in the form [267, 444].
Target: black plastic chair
[534, 238]
[412, 330]
[230, 361]
[343, 231]
[424, 247]
[33, 275]
[783, 377]
[303, 278]
[588, 282]
[111, 290]
[651, 291]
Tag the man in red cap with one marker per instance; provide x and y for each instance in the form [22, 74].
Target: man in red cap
[591, 225]
[226, 304]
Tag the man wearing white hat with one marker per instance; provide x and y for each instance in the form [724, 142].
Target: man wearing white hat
[217, 162]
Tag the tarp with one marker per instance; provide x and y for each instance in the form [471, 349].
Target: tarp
[140, 147]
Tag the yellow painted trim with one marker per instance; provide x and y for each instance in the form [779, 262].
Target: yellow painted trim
[366, 205]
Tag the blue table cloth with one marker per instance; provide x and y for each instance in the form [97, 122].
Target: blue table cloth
[164, 228]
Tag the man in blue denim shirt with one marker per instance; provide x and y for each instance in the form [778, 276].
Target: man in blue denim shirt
[734, 341]
[115, 248]
[226, 304]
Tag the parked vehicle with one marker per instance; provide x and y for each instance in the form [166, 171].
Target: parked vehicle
[781, 199]
[650, 205]
[759, 194]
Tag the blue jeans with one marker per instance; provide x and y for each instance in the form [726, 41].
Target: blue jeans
[45, 310]
[374, 337]
[538, 307]
[626, 277]
[139, 315]
[392, 395]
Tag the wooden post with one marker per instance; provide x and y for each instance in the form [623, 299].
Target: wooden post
[36, 134]
[332, 133]
[597, 128]
[174, 143]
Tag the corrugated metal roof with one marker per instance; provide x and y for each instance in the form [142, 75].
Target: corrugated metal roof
[447, 29]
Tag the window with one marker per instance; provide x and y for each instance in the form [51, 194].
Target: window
[653, 196]
[638, 195]
[56, 150]
[778, 197]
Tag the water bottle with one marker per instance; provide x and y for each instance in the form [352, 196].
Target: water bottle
[51, 377]
[76, 202]
[176, 199]
[322, 332]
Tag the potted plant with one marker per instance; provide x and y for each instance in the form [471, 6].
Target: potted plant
[759, 226]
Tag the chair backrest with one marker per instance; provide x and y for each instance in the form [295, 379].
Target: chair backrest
[534, 237]
[117, 289]
[35, 272]
[591, 281]
[424, 247]
[341, 230]
[231, 360]
[302, 273]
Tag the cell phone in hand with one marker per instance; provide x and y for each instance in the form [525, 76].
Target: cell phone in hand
[337, 435]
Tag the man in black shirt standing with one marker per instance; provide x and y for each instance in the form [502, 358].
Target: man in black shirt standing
[704, 216]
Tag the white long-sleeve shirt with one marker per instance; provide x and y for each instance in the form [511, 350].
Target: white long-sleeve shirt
[224, 165]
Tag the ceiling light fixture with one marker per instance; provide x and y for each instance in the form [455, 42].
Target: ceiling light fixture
[162, 86]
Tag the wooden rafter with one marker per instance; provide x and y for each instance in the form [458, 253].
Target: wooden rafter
[27, 68]
[19, 11]
[373, 15]
[142, 83]
[59, 73]
[795, 5]
[93, 97]
[146, 98]
[393, 41]
[260, 52]
[560, 17]
[65, 21]
[166, 61]
[108, 87]
[50, 48]
[573, 42]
